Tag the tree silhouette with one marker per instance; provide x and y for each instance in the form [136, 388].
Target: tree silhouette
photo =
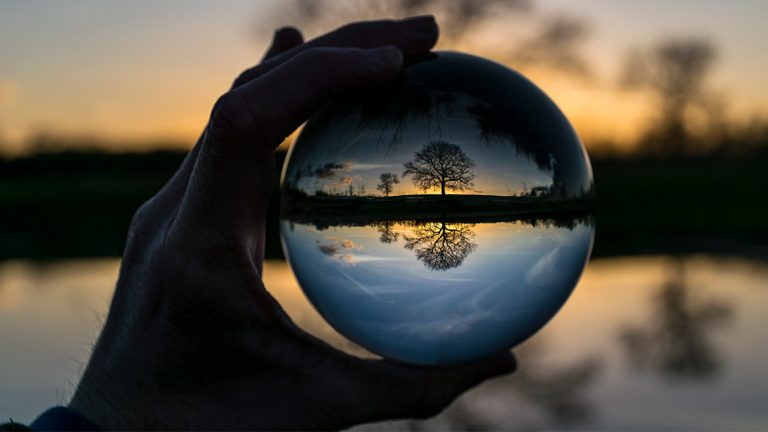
[386, 182]
[677, 341]
[440, 164]
[439, 245]
[387, 231]
[559, 392]
[675, 70]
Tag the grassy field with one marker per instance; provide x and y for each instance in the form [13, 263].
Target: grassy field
[80, 204]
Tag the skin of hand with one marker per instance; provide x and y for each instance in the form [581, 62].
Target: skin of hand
[193, 340]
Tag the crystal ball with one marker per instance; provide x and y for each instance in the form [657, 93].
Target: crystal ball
[439, 218]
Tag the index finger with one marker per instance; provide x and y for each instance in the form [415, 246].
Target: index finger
[411, 35]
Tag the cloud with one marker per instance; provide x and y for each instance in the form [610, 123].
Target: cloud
[344, 243]
[340, 249]
[430, 323]
[370, 166]
[346, 251]
[330, 169]
[328, 249]
[346, 180]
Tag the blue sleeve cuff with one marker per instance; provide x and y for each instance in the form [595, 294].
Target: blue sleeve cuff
[62, 419]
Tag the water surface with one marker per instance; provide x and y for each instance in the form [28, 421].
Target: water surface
[643, 343]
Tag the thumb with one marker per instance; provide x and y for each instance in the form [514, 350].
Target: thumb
[458, 379]
[413, 392]
[449, 383]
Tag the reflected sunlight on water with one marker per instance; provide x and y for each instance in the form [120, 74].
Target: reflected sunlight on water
[643, 343]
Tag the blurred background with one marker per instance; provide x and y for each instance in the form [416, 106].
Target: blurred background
[99, 101]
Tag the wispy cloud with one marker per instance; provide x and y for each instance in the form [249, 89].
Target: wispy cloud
[371, 166]
[548, 270]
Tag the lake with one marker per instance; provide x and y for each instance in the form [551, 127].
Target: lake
[643, 343]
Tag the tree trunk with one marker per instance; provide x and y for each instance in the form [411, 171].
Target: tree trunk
[442, 184]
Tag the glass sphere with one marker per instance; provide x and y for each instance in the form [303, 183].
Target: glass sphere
[442, 217]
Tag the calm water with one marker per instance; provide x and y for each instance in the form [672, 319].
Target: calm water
[643, 343]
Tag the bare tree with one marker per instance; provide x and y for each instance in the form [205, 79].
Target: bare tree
[675, 70]
[440, 164]
[387, 181]
[556, 46]
[440, 245]
[387, 231]
[677, 340]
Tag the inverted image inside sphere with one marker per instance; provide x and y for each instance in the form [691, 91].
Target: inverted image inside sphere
[442, 217]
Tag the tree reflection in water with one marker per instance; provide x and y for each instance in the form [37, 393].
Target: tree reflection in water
[440, 245]
[677, 342]
[387, 232]
[540, 396]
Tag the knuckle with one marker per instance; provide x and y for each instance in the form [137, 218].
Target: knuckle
[227, 114]
[143, 215]
[232, 123]
[144, 225]
[221, 122]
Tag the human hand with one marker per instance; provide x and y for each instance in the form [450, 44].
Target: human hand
[193, 339]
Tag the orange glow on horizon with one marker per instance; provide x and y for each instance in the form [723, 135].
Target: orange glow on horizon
[157, 77]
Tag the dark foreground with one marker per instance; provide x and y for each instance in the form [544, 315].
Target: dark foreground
[80, 204]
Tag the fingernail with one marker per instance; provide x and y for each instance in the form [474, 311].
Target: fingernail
[424, 20]
[387, 56]
[421, 33]
[282, 31]
[288, 34]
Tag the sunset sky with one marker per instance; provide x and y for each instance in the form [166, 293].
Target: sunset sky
[499, 169]
[132, 73]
